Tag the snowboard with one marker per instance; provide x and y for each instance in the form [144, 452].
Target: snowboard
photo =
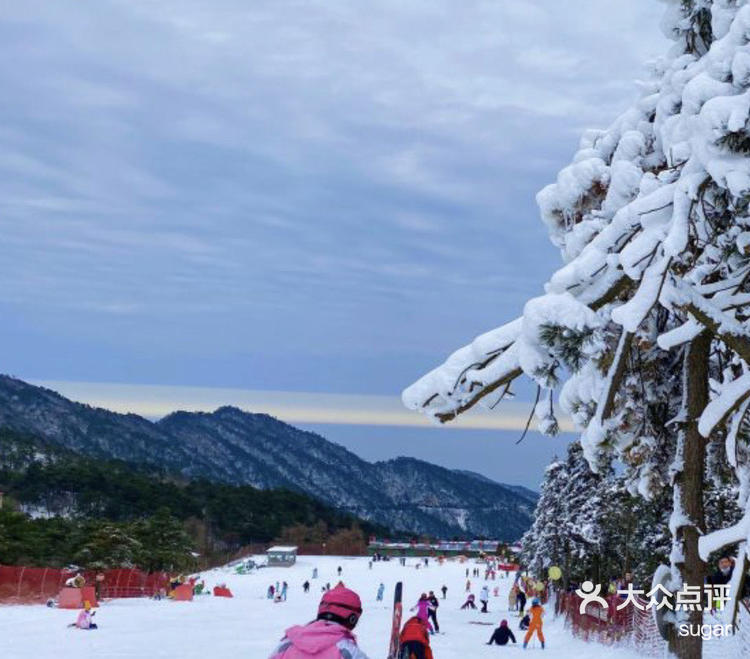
[396, 625]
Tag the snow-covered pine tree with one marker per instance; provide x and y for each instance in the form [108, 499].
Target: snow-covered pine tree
[586, 508]
[571, 520]
[652, 219]
[542, 544]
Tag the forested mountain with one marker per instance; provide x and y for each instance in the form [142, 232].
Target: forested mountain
[65, 500]
[239, 448]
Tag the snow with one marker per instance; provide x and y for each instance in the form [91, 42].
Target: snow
[444, 388]
[248, 626]
[286, 549]
[714, 541]
[731, 396]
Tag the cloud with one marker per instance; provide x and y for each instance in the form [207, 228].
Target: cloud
[155, 401]
[349, 181]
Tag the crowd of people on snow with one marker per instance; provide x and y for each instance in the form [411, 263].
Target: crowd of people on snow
[331, 633]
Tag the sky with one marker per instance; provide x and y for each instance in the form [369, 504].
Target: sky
[318, 197]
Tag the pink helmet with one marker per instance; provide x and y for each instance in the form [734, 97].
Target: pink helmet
[340, 605]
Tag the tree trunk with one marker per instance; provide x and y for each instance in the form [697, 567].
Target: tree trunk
[566, 567]
[688, 484]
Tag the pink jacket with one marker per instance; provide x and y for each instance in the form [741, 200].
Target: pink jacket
[84, 620]
[423, 608]
[318, 640]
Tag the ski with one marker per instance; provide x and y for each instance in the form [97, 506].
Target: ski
[396, 626]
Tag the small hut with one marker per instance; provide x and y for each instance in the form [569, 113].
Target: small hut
[281, 556]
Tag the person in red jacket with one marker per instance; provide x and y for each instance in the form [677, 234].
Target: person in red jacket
[414, 642]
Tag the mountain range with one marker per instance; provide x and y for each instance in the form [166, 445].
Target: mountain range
[242, 448]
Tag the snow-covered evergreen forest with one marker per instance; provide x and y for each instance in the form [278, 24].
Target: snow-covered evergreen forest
[641, 336]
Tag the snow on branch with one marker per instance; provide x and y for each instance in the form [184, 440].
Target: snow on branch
[468, 375]
[720, 408]
[715, 541]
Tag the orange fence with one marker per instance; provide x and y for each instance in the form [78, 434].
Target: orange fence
[28, 585]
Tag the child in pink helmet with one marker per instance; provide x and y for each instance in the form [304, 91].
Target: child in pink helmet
[330, 635]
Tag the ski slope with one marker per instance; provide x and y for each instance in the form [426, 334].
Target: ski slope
[248, 626]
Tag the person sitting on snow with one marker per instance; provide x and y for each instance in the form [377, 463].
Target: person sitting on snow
[536, 612]
[330, 634]
[525, 622]
[85, 618]
[414, 641]
[502, 634]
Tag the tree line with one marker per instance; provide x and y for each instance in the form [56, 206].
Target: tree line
[63, 508]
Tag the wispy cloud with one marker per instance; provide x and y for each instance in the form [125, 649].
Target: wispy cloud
[156, 401]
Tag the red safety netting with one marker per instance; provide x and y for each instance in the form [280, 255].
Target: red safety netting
[28, 585]
[632, 625]
[635, 626]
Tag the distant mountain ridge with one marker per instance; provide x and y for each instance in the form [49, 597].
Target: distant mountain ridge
[238, 447]
[520, 489]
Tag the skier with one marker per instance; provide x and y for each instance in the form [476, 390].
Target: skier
[444, 589]
[469, 603]
[422, 608]
[484, 598]
[284, 588]
[306, 586]
[468, 585]
[270, 592]
[502, 634]
[521, 600]
[432, 611]
[536, 612]
[339, 570]
[85, 618]
[414, 641]
[381, 590]
[315, 573]
[330, 634]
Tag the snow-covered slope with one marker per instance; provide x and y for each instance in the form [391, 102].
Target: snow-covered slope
[248, 626]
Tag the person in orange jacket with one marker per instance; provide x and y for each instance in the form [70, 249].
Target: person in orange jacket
[536, 612]
[414, 642]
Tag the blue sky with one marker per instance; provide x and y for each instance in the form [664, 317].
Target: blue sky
[322, 197]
